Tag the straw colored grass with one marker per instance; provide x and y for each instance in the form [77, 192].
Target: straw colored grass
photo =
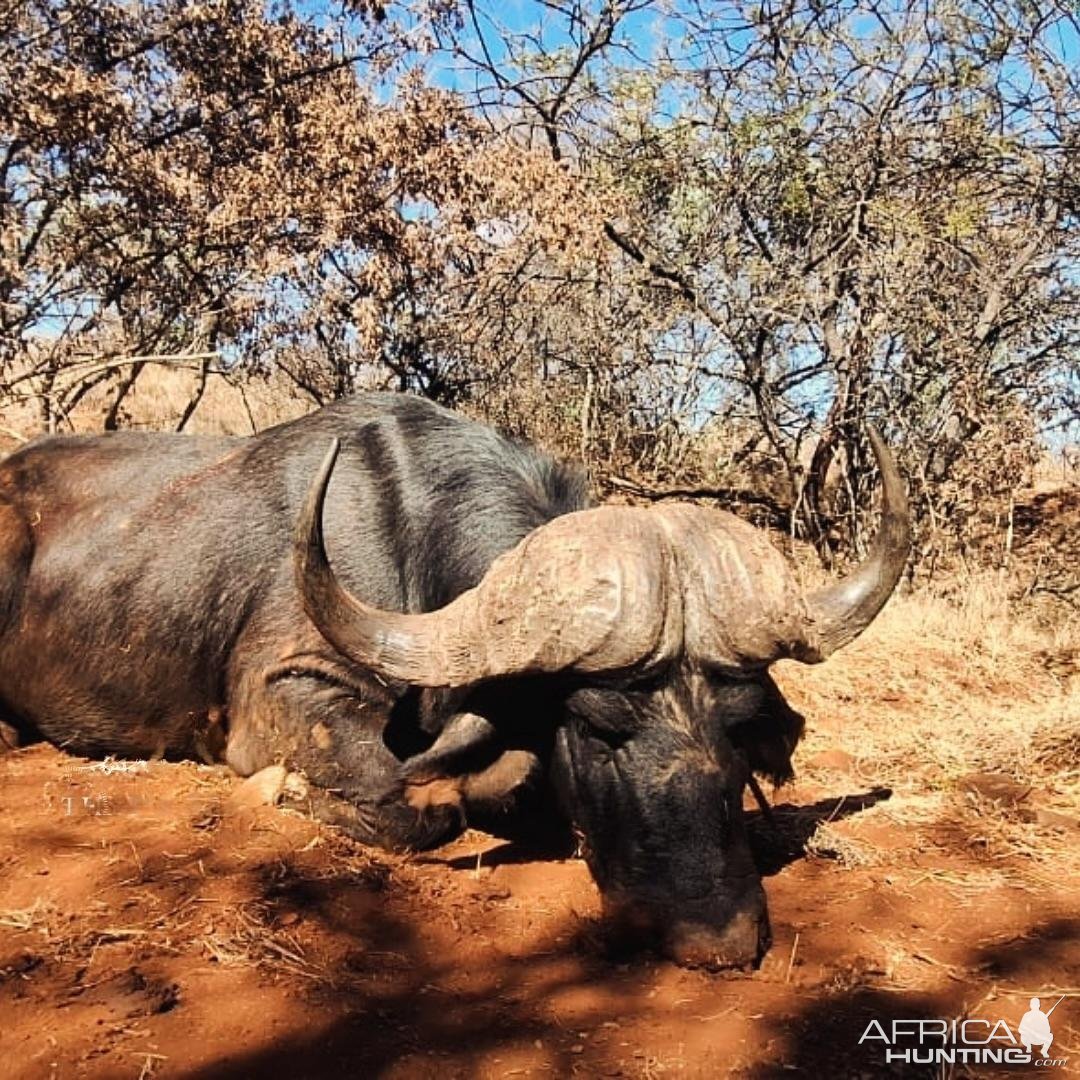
[966, 708]
[230, 406]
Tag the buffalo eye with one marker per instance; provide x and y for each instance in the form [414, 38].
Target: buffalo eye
[606, 738]
[604, 715]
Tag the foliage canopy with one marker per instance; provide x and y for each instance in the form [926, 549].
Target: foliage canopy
[696, 243]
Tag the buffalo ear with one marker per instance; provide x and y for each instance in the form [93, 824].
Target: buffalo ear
[770, 738]
[467, 742]
[497, 788]
[468, 767]
[485, 798]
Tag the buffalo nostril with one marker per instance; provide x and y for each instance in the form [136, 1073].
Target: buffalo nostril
[740, 943]
[715, 937]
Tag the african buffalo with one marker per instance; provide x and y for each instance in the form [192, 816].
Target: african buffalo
[482, 644]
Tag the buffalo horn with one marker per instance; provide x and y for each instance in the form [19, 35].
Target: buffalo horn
[567, 597]
[840, 612]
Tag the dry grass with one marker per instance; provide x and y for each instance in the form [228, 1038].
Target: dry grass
[35, 917]
[830, 841]
[237, 407]
[230, 406]
[248, 938]
[969, 710]
[227, 932]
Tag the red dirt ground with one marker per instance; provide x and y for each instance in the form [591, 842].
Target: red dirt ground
[146, 929]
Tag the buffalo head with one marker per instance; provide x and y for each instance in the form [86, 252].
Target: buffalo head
[657, 627]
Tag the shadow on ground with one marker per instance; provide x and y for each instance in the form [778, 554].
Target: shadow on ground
[778, 842]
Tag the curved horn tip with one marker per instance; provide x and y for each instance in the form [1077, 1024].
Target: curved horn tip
[328, 462]
[308, 535]
[895, 529]
[840, 612]
[390, 644]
